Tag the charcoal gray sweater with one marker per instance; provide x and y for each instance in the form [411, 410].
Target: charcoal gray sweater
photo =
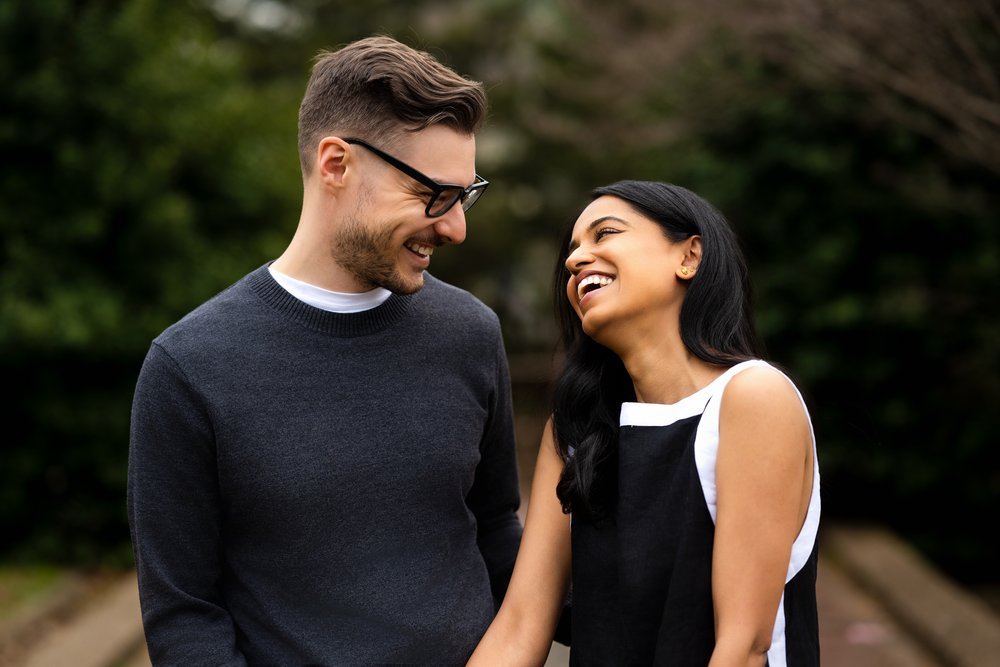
[309, 487]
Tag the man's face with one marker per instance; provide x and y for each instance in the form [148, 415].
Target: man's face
[387, 240]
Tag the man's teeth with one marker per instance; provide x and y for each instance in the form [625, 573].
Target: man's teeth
[599, 281]
[420, 248]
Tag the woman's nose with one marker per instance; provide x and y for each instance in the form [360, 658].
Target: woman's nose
[579, 257]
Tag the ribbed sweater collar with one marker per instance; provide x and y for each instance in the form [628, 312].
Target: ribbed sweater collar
[336, 324]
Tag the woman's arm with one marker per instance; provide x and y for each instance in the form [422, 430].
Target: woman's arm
[521, 633]
[763, 485]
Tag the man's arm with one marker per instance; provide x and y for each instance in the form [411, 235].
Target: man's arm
[523, 630]
[175, 520]
[495, 495]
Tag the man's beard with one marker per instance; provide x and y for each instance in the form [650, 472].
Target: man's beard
[370, 257]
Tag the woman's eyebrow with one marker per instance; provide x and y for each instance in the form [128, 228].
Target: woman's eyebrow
[573, 245]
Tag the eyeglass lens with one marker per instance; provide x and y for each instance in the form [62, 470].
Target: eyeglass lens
[450, 196]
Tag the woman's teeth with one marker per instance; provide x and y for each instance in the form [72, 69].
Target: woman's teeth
[592, 282]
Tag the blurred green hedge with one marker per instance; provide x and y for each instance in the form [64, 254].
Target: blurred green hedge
[149, 160]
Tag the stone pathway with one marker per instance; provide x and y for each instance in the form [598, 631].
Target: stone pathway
[857, 626]
[856, 631]
[105, 631]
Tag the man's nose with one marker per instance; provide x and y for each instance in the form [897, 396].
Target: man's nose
[450, 227]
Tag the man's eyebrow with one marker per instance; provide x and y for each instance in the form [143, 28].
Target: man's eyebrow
[573, 245]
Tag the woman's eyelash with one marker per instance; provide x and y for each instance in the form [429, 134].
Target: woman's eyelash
[604, 231]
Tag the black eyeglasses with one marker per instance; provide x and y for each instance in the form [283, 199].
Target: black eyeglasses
[444, 195]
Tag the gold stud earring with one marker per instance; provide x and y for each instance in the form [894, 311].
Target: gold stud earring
[685, 270]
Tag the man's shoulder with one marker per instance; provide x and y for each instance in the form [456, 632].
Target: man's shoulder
[214, 316]
[455, 303]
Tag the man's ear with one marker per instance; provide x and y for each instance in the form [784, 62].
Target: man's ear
[332, 157]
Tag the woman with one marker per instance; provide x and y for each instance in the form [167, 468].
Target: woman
[685, 464]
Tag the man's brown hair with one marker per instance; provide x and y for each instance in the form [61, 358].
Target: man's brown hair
[376, 89]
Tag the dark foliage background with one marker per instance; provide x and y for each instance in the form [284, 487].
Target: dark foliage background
[148, 160]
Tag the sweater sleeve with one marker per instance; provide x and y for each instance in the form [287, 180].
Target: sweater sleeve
[495, 495]
[175, 520]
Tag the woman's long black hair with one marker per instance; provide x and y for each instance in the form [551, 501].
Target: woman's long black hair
[716, 323]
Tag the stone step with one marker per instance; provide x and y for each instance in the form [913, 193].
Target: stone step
[107, 631]
[961, 629]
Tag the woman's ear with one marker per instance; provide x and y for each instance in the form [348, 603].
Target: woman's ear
[691, 258]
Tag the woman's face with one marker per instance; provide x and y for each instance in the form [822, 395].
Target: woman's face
[623, 269]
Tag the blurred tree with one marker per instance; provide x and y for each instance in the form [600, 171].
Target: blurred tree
[867, 208]
[149, 160]
[930, 67]
[140, 177]
[925, 66]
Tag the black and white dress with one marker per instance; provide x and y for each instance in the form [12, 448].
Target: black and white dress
[642, 580]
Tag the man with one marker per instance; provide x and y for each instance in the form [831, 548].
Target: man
[322, 464]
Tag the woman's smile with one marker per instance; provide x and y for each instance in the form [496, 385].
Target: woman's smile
[589, 282]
